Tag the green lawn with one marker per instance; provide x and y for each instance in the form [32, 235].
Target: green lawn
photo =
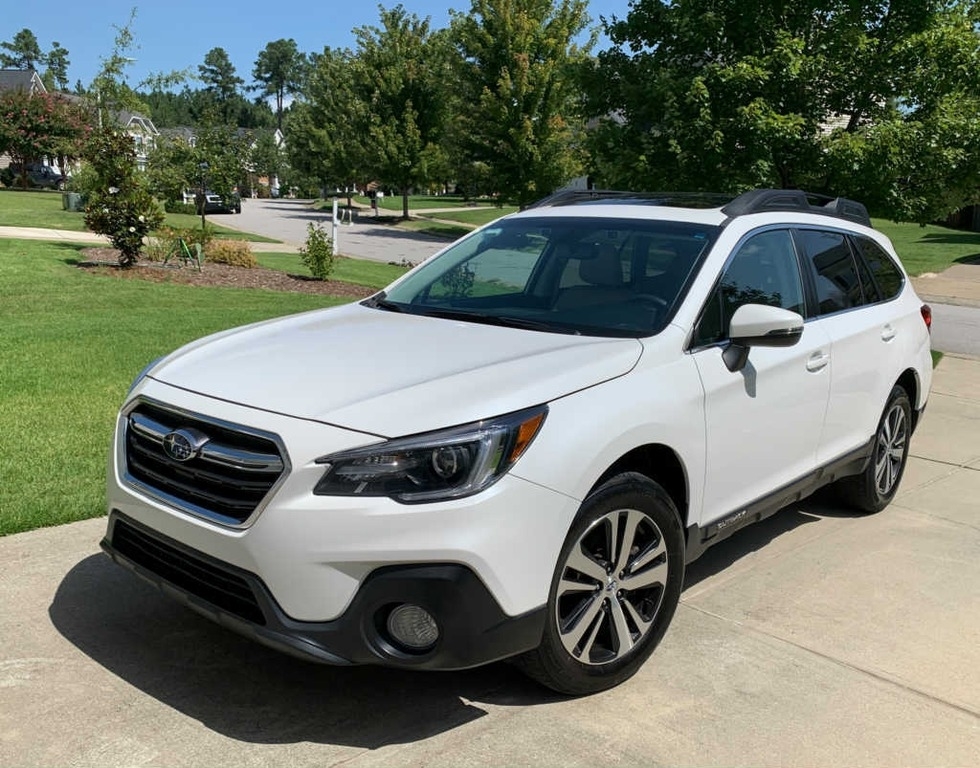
[477, 217]
[418, 202]
[70, 343]
[37, 209]
[930, 248]
[43, 209]
[373, 274]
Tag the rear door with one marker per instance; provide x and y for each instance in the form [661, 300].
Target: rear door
[856, 287]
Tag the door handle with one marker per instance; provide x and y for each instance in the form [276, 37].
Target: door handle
[817, 362]
[887, 333]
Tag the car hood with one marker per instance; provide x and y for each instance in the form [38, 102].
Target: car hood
[390, 373]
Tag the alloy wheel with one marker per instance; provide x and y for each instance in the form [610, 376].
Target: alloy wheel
[890, 449]
[611, 587]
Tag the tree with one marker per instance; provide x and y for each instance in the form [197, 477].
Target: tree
[279, 70]
[25, 52]
[56, 75]
[399, 74]
[719, 95]
[516, 82]
[327, 131]
[220, 81]
[217, 159]
[41, 125]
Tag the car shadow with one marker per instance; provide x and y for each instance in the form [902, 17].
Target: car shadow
[252, 694]
[759, 535]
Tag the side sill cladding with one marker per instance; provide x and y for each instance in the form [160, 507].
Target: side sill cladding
[700, 539]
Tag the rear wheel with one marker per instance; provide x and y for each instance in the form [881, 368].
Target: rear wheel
[615, 588]
[873, 489]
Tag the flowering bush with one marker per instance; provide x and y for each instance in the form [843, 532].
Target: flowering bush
[120, 207]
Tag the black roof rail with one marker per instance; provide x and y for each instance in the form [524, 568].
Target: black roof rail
[754, 201]
[679, 199]
[763, 200]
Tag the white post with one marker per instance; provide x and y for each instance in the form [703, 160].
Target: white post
[334, 229]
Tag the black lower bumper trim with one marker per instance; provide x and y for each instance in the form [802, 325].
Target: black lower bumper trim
[473, 629]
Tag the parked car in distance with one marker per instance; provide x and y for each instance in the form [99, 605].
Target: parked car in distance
[38, 175]
[514, 450]
[215, 203]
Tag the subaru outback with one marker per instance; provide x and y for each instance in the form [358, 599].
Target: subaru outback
[513, 451]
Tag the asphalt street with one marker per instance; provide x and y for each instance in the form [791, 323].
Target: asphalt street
[956, 328]
[365, 238]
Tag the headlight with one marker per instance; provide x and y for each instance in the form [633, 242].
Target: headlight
[435, 466]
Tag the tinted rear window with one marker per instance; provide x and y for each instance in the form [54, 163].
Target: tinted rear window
[887, 276]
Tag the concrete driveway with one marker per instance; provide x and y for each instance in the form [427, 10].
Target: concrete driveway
[366, 238]
[816, 638]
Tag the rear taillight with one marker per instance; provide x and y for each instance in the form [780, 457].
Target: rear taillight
[927, 316]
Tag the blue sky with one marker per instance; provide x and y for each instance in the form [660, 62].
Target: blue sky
[176, 34]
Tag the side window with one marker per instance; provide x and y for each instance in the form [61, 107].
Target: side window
[887, 276]
[837, 283]
[764, 270]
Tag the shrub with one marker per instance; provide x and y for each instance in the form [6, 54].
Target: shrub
[237, 253]
[318, 253]
[84, 180]
[178, 206]
[197, 235]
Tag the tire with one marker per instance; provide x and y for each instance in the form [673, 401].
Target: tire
[603, 622]
[876, 486]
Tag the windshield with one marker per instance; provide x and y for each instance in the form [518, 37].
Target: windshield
[583, 275]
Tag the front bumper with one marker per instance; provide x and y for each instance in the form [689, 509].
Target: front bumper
[474, 630]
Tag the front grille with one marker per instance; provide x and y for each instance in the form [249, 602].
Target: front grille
[223, 589]
[230, 474]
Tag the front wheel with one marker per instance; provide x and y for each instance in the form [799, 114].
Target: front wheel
[876, 486]
[615, 588]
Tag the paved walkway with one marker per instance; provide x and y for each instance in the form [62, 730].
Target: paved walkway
[960, 285]
[818, 637]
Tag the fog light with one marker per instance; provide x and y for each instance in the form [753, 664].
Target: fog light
[413, 627]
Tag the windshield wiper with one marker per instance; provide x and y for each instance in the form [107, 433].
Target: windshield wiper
[378, 301]
[505, 321]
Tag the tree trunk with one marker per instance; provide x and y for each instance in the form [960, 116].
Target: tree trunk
[405, 203]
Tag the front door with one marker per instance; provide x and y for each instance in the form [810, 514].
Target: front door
[763, 423]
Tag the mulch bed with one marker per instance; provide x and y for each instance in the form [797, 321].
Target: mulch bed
[104, 261]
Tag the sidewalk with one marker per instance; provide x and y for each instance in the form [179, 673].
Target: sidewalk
[818, 637]
[69, 236]
[960, 284]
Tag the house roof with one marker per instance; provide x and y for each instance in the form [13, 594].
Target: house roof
[21, 80]
[133, 120]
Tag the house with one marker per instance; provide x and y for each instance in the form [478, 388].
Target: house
[143, 132]
[139, 127]
[21, 80]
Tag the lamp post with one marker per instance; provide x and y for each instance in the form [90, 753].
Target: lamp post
[203, 198]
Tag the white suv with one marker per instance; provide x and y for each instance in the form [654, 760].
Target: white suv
[514, 449]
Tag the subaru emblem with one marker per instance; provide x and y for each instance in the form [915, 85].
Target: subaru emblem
[184, 444]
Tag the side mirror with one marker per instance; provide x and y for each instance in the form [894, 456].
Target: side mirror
[758, 325]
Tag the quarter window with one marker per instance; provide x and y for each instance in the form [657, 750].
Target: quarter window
[887, 275]
[764, 270]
